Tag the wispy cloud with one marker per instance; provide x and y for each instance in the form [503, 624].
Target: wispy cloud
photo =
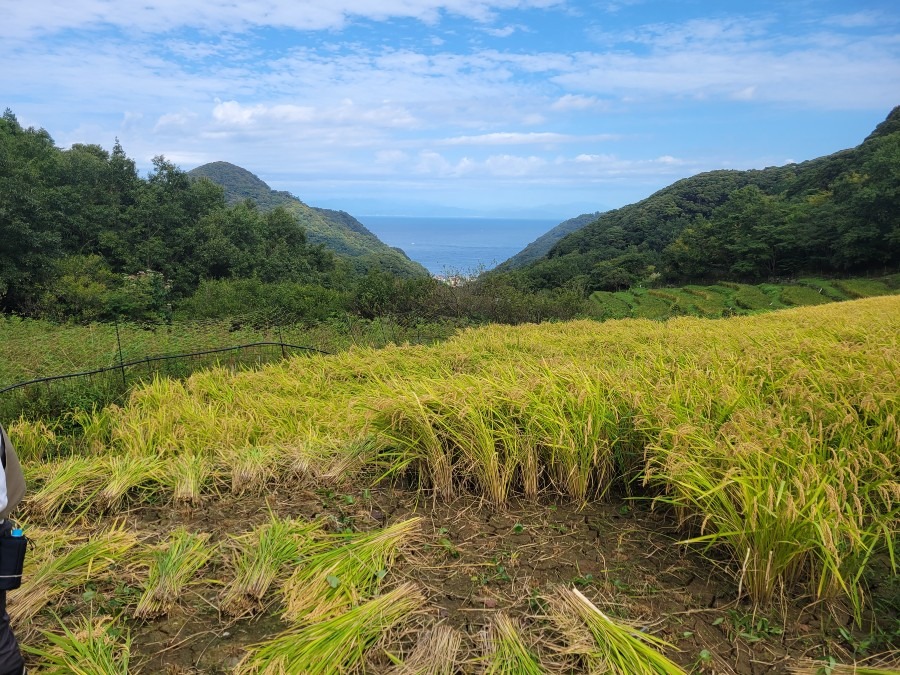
[438, 92]
[527, 138]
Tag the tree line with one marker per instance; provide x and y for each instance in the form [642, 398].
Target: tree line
[84, 237]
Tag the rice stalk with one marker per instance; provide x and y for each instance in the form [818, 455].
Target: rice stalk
[343, 572]
[186, 476]
[173, 567]
[262, 556]
[97, 646]
[63, 560]
[70, 482]
[614, 647]
[437, 652]
[406, 424]
[506, 651]
[335, 645]
[813, 667]
[251, 469]
[124, 473]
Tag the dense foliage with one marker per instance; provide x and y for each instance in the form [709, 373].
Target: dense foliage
[337, 230]
[831, 215]
[85, 236]
[542, 245]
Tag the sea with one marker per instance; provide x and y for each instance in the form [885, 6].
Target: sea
[453, 246]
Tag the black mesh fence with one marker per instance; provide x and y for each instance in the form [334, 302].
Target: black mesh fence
[52, 397]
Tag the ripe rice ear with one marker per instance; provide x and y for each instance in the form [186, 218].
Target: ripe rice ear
[262, 556]
[187, 475]
[70, 482]
[251, 469]
[406, 425]
[63, 560]
[343, 571]
[173, 568]
[125, 473]
[617, 647]
[337, 644]
[437, 652]
[506, 652]
[95, 647]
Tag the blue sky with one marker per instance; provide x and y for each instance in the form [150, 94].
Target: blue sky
[483, 107]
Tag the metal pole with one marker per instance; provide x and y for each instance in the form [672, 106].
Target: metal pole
[121, 360]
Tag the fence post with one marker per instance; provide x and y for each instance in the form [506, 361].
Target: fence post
[121, 360]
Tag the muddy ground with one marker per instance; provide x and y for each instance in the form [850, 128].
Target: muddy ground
[474, 561]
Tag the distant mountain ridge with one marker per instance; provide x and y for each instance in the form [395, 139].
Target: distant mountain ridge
[542, 245]
[831, 215]
[337, 230]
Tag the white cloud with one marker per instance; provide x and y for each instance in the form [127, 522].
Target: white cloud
[518, 138]
[512, 165]
[575, 102]
[863, 19]
[48, 16]
[173, 121]
[506, 31]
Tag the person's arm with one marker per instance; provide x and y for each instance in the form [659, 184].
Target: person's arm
[4, 500]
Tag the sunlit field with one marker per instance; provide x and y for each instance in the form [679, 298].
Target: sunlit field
[632, 496]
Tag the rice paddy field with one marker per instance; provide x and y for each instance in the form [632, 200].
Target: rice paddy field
[732, 299]
[634, 496]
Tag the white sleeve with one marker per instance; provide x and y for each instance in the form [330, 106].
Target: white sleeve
[3, 498]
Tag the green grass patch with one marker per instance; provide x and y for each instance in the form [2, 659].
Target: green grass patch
[801, 296]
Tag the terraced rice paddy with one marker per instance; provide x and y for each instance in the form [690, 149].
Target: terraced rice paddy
[717, 496]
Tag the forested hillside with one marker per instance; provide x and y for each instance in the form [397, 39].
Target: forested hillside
[542, 245]
[84, 236]
[832, 215]
[337, 230]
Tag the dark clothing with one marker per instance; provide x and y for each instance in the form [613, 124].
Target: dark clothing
[10, 657]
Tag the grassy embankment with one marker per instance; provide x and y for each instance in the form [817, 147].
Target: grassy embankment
[775, 439]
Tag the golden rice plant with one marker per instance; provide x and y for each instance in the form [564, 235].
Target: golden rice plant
[34, 440]
[571, 419]
[251, 469]
[173, 568]
[96, 426]
[609, 646]
[792, 499]
[506, 653]
[61, 560]
[438, 651]
[262, 556]
[123, 473]
[485, 437]
[347, 569]
[68, 482]
[96, 646]
[186, 476]
[335, 645]
[406, 425]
